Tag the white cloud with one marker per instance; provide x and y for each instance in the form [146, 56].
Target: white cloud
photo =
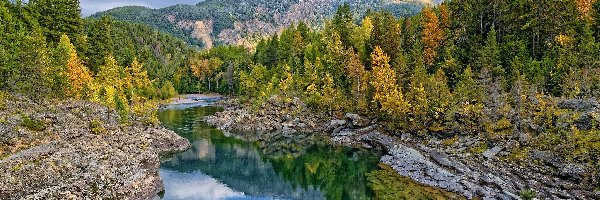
[195, 185]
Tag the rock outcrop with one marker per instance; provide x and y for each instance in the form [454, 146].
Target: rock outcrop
[79, 149]
[454, 166]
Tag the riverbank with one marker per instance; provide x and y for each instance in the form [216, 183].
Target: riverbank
[461, 164]
[75, 149]
[190, 100]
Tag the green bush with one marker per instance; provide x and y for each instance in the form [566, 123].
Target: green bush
[3, 98]
[96, 127]
[32, 124]
[528, 194]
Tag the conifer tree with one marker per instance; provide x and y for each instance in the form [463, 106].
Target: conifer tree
[100, 42]
[343, 25]
[58, 17]
[489, 55]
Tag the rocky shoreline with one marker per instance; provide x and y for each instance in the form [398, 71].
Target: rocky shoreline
[65, 150]
[449, 166]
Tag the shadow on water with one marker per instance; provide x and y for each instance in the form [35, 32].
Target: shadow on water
[220, 167]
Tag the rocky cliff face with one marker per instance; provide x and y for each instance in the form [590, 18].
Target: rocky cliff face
[62, 150]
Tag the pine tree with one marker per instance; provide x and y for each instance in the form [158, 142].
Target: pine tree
[343, 25]
[596, 19]
[100, 42]
[58, 17]
[439, 94]
[489, 55]
[467, 90]
[386, 34]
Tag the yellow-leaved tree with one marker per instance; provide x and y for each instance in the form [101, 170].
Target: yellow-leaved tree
[432, 35]
[359, 78]
[79, 77]
[387, 92]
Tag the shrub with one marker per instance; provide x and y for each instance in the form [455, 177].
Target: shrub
[32, 124]
[3, 98]
[96, 127]
[528, 194]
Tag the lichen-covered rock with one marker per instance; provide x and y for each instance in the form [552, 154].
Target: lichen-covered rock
[275, 115]
[83, 152]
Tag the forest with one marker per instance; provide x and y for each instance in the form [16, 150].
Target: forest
[498, 70]
[51, 52]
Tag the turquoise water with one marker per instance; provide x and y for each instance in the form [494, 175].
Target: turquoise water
[291, 167]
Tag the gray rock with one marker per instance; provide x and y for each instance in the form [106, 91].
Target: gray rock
[491, 153]
[120, 163]
[334, 124]
[573, 171]
[579, 104]
[357, 121]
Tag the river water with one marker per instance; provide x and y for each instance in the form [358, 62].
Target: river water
[221, 167]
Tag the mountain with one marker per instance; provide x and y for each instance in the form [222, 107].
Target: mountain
[243, 22]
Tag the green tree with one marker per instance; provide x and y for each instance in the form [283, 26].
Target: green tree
[58, 17]
[343, 24]
[100, 42]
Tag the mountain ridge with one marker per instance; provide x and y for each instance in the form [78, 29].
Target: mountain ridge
[234, 22]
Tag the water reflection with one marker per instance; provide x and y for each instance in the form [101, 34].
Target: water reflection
[220, 167]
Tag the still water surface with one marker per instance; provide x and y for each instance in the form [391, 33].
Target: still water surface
[221, 167]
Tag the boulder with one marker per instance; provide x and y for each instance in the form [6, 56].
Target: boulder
[579, 104]
[333, 125]
[491, 153]
[356, 120]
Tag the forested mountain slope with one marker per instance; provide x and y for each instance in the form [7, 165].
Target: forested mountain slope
[244, 22]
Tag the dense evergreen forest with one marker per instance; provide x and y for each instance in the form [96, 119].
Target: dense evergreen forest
[495, 69]
[51, 52]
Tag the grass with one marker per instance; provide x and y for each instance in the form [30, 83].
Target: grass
[388, 184]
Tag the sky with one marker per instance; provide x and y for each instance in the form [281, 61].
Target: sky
[89, 7]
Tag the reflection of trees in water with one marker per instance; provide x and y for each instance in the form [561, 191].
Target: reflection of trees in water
[276, 165]
[339, 172]
[234, 162]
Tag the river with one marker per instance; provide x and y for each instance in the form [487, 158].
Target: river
[221, 167]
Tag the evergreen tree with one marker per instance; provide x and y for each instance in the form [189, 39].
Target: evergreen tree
[100, 42]
[343, 24]
[58, 17]
[489, 55]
